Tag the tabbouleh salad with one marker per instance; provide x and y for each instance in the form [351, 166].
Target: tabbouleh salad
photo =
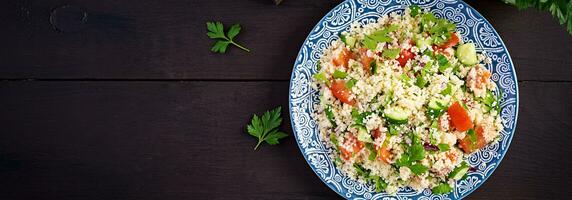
[404, 101]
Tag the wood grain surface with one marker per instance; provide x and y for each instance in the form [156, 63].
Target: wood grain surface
[129, 103]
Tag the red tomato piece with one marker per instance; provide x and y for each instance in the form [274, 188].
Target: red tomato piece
[376, 134]
[483, 78]
[354, 143]
[341, 92]
[439, 50]
[384, 154]
[343, 58]
[453, 40]
[481, 142]
[468, 146]
[365, 60]
[459, 117]
[404, 56]
[345, 153]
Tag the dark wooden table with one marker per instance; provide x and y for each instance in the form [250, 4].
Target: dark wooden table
[127, 101]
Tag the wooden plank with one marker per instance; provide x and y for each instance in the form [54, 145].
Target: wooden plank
[146, 140]
[143, 39]
[147, 39]
[186, 140]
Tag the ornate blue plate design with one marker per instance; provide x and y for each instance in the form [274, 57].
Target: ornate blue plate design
[302, 98]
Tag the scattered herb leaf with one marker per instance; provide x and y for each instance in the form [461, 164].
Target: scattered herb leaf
[265, 128]
[216, 31]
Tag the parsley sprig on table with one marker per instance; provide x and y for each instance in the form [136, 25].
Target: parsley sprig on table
[560, 9]
[265, 128]
[216, 31]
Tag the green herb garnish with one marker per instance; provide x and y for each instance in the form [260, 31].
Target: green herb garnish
[447, 90]
[351, 83]
[416, 152]
[216, 31]
[370, 41]
[391, 53]
[372, 151]
[443, 63]
[442, 188]
[358, 117]
[380, 184]
[415, 10]
[330, 115]
[265, 128]
[443, 147]
[373, 67]
[334, 140]
[472, 136]
[339, 74]
[418, 169]
[560, 9]
[321, 77]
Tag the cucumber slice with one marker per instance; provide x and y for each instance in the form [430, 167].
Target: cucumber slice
[363, 135]
[348, 40]
[436, 104]
[467, 54]
[459, 172]
[435, 108]
[423, 43]
[396, 115]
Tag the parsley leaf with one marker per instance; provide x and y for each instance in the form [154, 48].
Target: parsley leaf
[560, 9]
[350, 83]
[339, 74]
[391, 53]
[265, 128]
[330, 115]
[216, 31]
[418, 169]
[442, 188]
[443, 63]
[416, 152]
[443, 147]
[370, 41]
[472, 137]
[415, 9]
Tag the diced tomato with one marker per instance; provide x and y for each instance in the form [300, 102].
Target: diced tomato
[376, 133]
[354, 146]
[451, 156]
[404, 56]
[453, 40]
[355, 143]
[412, 42]
[384, 154]
[343, 58]
[439, 50]
[459, 117]
[483, 78]
[468, 146]
[365, 59]
[341, 92]
[345, 153]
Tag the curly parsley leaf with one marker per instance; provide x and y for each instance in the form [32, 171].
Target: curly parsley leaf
[265, 128]
[216, 31]
[560, 9]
